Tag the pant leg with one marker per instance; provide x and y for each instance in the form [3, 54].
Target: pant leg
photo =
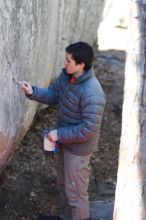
[76, 184]
[65, 208]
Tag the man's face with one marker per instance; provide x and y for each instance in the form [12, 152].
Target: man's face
[71, 66]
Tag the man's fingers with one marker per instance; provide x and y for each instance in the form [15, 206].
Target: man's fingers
[49, 137]
[52, 135]
[26, 87]
[24, 83]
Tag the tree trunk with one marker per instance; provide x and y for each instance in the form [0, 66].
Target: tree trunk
[130, 201]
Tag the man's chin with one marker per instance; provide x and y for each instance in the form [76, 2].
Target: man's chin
[69, 72]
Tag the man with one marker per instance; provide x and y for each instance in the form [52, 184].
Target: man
[80, 100]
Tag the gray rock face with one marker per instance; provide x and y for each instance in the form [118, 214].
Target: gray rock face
[101, 210]
[33, 35]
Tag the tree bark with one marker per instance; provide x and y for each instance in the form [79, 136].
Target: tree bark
[130, 200]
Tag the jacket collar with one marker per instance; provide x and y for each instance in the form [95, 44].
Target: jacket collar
[86, 75]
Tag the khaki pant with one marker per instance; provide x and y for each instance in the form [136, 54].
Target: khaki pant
[73, 180]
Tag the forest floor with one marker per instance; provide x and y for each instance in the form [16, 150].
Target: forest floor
[28, 183]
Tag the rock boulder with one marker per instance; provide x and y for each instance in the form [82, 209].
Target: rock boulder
[33, 36]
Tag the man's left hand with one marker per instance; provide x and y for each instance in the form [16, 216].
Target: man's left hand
[52, 135]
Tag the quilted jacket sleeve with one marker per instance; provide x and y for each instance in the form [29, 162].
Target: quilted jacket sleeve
[92, 107]
[46, 95]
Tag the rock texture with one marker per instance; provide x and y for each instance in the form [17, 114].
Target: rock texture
[33, 35]
[100, 210]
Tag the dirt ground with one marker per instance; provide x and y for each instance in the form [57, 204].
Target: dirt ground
[27, 185]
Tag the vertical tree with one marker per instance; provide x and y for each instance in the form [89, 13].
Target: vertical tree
[130, 201]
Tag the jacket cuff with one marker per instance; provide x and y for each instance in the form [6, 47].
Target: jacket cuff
[58, 135]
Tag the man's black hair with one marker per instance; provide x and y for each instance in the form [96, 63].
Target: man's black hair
[81, 52]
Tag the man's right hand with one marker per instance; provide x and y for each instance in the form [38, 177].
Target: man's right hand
[26, 87]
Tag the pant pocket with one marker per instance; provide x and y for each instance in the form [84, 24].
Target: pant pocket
[84, 171]
[83, 174]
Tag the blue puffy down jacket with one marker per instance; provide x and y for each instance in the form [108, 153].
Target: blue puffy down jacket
[80, 110]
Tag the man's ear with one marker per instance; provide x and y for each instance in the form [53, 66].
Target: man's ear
[82, 65]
